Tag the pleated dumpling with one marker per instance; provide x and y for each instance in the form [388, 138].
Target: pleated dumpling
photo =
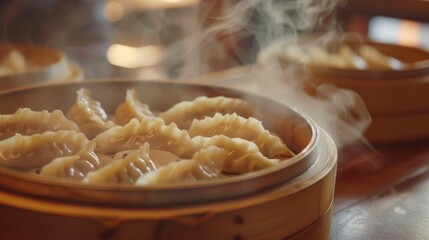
[185, 112]
[27, 122]
[89, 115]
[127, 170]
[205, 164]
[159, 157]
[235, 126]
[28, 152]
[149, 130]
[76, 166]
[243, 156]
[131, 108]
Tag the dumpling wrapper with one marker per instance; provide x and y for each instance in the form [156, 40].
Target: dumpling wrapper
[127, 170]
[185, 112]
[159, 157]
[317, 54]
[27, 122]
[150, 130]
[28, 152]
[243, 156]
[89, 115]
[76, 166]
[235, 126]
[131, 108]
[205, 164]
[353, 60]
[374, 58]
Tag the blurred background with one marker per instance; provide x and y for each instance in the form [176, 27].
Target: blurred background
[193, 39]
[157, 38]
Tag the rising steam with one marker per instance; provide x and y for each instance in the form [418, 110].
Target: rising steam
[220, 34]
[236, 32]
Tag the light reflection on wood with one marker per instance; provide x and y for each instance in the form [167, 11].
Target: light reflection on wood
[386, 202]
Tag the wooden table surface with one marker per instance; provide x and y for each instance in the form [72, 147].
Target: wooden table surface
[382, 192]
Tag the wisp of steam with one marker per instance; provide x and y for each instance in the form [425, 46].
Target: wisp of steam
[229, 33]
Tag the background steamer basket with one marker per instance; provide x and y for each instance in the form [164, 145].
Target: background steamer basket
[396, 97]
[378, 86]
[43, 65]
[283, 201]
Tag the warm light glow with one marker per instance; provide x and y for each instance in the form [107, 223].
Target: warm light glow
[113, 11]
[152, 73]
[409, 33]
[398, 31]
[135, 57]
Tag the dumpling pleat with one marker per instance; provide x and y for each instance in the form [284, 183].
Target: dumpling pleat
[27, 122]
[153, 131]
[235, 126]
[89, 115]
[76, 166]
[185, 112]
[131, 108]
[205, 164]
[127, 170]
[243, 156]
[27, 152]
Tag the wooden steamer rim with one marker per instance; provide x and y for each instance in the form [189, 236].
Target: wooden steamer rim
[415, 60]
[110, 93]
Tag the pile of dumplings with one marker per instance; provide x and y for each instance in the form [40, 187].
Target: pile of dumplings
[366, 57]
[206, 138]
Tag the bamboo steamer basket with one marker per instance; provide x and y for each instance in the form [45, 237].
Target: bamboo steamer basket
[292, 200]
[380, 88]
[44, 65]
[395, 98]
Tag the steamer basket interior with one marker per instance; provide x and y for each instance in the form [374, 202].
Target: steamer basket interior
[297, 131]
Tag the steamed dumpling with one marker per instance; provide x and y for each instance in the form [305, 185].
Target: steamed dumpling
[76, 166]
[131, 108]
[217, 137]
[374, 58]
[149, 130]
[243, 156]
[185, 112]
[89, 115]
[127, 170]
[159, 157]
[205, 164]
[235, 126]
[27, 122]
[28, 152]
